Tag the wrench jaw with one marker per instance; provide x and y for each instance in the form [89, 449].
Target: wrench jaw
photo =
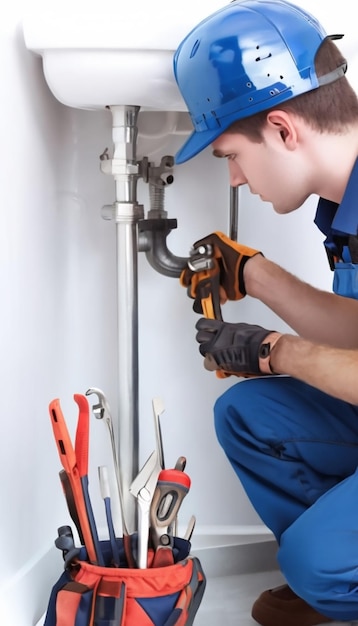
[99, 410]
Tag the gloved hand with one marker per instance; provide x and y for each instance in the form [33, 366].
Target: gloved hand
[236, 348]
[231, 257]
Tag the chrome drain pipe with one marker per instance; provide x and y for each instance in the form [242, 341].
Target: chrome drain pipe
[126, 213]
[134, 234]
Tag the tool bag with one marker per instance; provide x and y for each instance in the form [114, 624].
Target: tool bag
[90, 595]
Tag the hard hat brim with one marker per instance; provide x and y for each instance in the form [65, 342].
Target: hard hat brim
[195, 143]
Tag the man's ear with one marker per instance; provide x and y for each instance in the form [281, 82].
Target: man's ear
[283, 123]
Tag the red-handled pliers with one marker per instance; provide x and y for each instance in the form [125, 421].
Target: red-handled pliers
[75, 464]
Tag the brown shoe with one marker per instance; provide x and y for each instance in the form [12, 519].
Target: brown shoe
[281, 607]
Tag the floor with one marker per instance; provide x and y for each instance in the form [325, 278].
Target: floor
[228, 599]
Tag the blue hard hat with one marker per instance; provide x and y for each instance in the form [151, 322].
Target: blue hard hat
[245, 58]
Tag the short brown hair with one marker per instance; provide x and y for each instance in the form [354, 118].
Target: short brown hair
[329, 108]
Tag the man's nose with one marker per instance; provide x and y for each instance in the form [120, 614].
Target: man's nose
[237, 178]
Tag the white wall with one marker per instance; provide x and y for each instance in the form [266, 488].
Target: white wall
[57, 319]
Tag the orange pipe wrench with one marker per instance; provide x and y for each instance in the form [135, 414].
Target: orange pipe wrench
[205, 286]
[205, 282]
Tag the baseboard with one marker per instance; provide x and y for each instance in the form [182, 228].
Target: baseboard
[211, 536]
[24, 597]
[233, 550]
[232, 560]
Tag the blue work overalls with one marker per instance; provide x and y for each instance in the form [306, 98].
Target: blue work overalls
[295, 451]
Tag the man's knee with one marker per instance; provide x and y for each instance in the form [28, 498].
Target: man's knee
[227, 415]
[236, 409]
[300, 562]
[316, 570]
[221, 417]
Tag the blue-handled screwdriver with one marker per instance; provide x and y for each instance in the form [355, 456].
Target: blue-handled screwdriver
[106, 495]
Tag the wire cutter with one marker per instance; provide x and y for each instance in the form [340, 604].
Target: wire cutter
[143, 488]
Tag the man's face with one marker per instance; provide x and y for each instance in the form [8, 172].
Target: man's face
[268, 168]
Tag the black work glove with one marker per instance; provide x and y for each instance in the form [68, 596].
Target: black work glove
[235, 348]
[231, 257]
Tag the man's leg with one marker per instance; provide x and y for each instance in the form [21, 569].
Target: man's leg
[288, 443]
[318, 554]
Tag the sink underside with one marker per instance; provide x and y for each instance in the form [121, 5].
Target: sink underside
[92, 79]
[114, 53]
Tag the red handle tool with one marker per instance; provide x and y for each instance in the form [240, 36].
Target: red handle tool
[172, 487]
[69, 462]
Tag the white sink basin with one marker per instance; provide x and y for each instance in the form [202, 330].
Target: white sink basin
[115, 53]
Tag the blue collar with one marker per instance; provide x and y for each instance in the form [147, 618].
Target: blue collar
[340, 219]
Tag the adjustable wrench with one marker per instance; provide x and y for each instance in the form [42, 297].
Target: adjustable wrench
[205, 284]
[102, 412]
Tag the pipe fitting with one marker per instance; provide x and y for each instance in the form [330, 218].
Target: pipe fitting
[154, 230]
[153, 235]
